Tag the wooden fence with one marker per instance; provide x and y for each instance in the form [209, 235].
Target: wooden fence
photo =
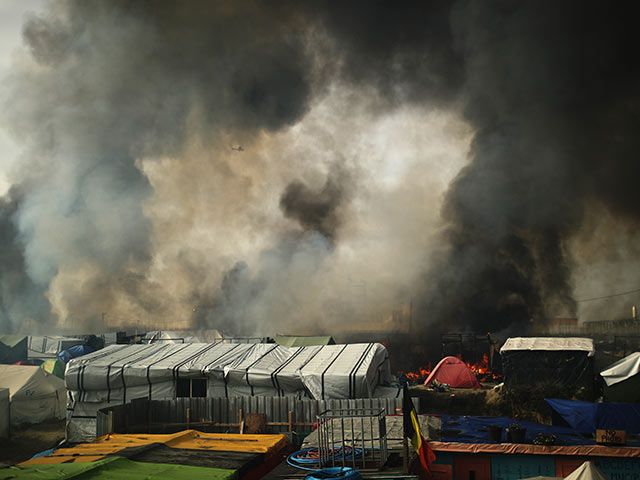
[282, 414]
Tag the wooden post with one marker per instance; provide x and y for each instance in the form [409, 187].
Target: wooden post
[241, 421]
[188, 417]
[405, 441]
[290, 422]
[110, 421]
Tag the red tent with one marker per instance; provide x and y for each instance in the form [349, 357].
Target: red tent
[454, 372]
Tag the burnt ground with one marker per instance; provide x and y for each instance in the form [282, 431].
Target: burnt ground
[463, 401]
[27, 440]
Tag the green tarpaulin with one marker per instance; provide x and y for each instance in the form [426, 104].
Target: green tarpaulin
[54, 367]
[293, 341]
[114, 467]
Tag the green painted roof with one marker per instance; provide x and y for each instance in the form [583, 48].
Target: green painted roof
[11, 340]
[293, 341]
[114, 467]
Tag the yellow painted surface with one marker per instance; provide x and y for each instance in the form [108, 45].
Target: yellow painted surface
[187, 439]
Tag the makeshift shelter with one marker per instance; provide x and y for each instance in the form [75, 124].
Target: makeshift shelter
[589, 416]
[587, 471]
[44, 347]
[120, 373]
[74, 352]
[53, 366]
[622, 380]
[183, 336]
[13, 348]
[454, 372]
[308, 341]
[34, 394]
[527, 361]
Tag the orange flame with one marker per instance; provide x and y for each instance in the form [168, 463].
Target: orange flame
[418, 376]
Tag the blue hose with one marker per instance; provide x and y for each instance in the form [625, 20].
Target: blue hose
[309, 456]
[344, 473]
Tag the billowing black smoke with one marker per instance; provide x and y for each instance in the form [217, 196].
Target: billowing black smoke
[551, 91]
[318, 211]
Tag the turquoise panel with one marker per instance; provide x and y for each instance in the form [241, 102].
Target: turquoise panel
[515, 467]
[619, 468]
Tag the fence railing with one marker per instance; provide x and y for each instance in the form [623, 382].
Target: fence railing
[281, 414]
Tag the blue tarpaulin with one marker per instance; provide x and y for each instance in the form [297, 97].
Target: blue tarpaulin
[73, 352]
[589, 416]
[469, 429]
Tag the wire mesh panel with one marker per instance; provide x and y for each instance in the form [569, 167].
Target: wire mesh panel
[353, 437]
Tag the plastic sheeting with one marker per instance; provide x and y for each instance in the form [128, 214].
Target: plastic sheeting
[34, 394]
[73, 352]
[622, 369]
[117, 444]
[120, 373]
[471, 429]
[572, 344]
[588, 417]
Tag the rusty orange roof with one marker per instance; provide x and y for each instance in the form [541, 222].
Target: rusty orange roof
[188, 439]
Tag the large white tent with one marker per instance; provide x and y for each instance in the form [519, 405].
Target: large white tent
[121, 373]
[35, 395]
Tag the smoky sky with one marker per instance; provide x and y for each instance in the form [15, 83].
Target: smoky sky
[550, 90]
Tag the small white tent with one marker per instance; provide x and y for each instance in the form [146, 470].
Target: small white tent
[587, 471]
[34, 394]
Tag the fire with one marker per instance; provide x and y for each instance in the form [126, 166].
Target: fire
[482, 370]
[419, 376]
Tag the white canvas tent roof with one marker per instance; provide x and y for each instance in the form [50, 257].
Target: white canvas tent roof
[587, 471]
[183, 336]
[34, 394]
[573, 344]
[44, 346]
[120, 373]
[622, 369]
[323, 371]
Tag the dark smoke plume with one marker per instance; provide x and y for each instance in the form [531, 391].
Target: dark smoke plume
[317, 211]
[126, 109]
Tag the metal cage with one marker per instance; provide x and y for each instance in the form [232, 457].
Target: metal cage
[355, 437]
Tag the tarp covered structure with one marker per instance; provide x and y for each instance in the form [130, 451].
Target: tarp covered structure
[622, 380]
[73, 352]
[567, 362]
[454, 372]
[43, 346]
[35, 395]
[183, 336]
[13, 348]
[306, 341]
[120, 373]
[588, 416]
